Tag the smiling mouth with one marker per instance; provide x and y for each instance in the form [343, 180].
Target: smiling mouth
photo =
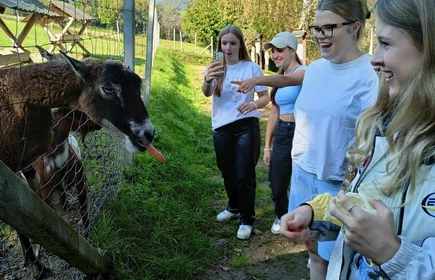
[388, 75]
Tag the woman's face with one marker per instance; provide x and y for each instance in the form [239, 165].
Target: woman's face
[230, 45]
[396, 56]
[282, 57]
[336, 47]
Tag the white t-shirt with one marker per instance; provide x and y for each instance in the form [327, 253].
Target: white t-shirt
[332, 98]
[225, 107]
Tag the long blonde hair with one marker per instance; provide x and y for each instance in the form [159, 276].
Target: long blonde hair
[352, 10]
[410, 130]
[243, 53]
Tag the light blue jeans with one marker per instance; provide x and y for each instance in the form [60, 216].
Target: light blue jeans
[304, 186]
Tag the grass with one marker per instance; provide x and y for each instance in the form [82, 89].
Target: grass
[158, 227]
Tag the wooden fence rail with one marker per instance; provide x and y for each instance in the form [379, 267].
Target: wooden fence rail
[23, 210]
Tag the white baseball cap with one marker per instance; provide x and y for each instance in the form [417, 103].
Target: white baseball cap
[282, 40]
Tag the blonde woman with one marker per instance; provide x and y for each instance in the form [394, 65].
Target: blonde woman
[388, 228]
[236, 128]
[336, 89]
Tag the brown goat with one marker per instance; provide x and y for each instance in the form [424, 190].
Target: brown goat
[105, 90]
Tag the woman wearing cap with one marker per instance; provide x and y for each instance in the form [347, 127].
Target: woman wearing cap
[281, 123]
[336, 89]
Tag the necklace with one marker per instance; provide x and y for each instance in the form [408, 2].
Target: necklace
[297, 65]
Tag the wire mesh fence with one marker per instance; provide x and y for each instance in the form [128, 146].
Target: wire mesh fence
[82, 170]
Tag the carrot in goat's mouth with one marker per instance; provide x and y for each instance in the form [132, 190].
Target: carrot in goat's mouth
[155, 153]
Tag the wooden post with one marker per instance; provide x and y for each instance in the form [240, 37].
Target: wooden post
[194, 48]
[266, 60]
[149, 59]
[181, 42]
[211, 46]
[23, 210]
[174, 39]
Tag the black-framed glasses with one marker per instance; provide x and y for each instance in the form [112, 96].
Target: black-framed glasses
[327, 30]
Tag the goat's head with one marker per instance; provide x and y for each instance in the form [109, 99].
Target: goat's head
[111, 98]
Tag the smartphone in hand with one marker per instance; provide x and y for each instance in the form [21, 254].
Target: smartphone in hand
[218, 57]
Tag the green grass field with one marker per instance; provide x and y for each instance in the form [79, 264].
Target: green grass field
[163, 224]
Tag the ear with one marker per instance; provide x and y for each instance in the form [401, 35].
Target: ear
[77, 66]
[355, 27]
[44, 53]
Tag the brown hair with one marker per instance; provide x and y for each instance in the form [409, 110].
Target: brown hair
[281, 71]
[243, 52]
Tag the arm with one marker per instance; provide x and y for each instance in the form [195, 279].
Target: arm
[212, 72]
[278, 81]
[271, 123]
[208, 88]
[263, 99]
[411, 261]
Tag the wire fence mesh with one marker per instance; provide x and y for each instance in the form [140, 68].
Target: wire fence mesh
[82, 170]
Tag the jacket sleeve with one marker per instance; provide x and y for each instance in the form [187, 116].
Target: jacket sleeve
[323, 228]
[411, 261]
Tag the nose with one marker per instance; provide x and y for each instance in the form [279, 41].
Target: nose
[377, 59]
[149, 134]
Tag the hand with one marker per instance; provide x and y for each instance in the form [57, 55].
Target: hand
[294, 225]
[245, 86]
[266, 158]
[245, 108]
[214, 71]
[373, 236]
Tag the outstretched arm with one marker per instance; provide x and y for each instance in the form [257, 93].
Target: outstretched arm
[278, 81]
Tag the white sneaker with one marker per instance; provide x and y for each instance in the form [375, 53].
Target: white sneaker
[244, 232]
[276, 227]
[225, 216]
[309, 263]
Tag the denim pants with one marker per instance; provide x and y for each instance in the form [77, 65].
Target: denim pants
[304, 187]
[237, 148]
[281, 165]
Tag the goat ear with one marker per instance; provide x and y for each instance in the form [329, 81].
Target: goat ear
[77, 66]
[44, 53]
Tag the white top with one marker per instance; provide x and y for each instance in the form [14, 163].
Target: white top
[332, 98]
[225, 107]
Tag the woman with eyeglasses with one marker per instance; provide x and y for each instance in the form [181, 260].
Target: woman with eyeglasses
[336, 89]
[385, 223]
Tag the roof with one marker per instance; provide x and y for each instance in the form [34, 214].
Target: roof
[32, 6]
[67, 10]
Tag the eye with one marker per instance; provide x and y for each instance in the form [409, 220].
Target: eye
[327, 27]
[108, 90]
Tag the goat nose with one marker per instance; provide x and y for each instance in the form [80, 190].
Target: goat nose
[149, 134]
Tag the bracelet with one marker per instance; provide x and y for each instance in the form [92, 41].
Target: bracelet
[255, 104]
[267, 149]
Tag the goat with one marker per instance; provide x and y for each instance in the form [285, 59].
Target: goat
[105, 90]
[61, 166]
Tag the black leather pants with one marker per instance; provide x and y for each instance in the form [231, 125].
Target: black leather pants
[237, 148]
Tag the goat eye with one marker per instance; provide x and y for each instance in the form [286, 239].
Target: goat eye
[108, 90]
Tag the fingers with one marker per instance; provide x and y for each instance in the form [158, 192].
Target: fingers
[245, 108]
[343, 217]
[236, 82]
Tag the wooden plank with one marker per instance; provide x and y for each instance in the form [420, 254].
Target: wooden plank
[7, 31]
[26, 30]
[13, 55]
[22, 209]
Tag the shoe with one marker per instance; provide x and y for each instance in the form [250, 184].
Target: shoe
[226, 216]
[276, 227]
[309, 263]
[244, 232]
